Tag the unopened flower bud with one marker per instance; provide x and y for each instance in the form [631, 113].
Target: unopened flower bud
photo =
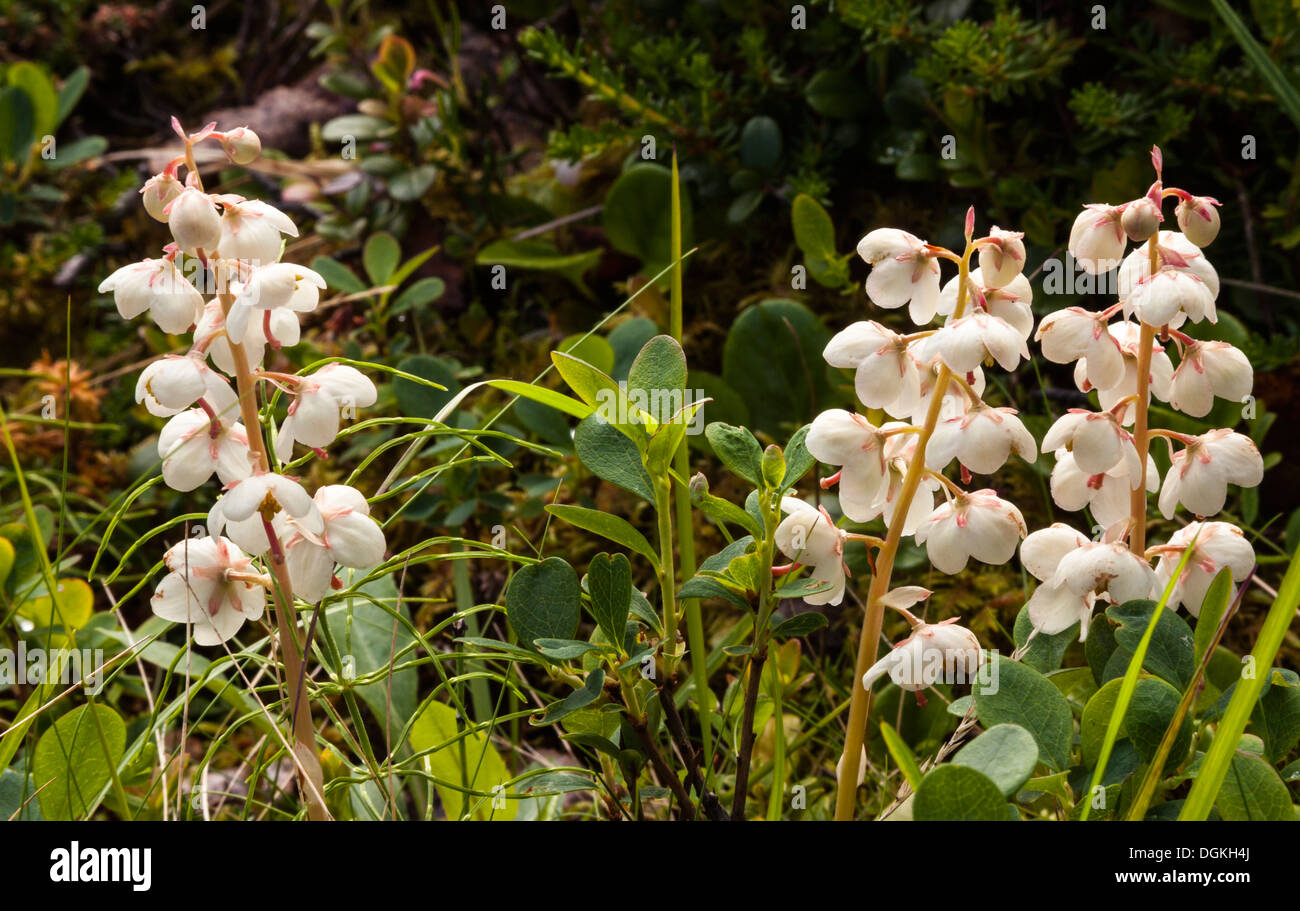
[773, 465]
[1141, 219]
[194, 221]
[158, 191]
[699, 487]
[1198, 220]
[242, 145]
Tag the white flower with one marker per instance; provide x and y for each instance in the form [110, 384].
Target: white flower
[249, 533]
[1004, 259]
[933, 653]
[1174, 252]
[976, 524]
[1106, 494]
[322, 397]
[982, 440]
[903, 270]
[888, 374]
[173, 383]
[158, 192]
[1200, 474]
[1218, 544]
[955, 400]
[1127, 335]
[156, 286]
[350, 538]
[1095, 439]
[210, 333]
[1097, 238]
[212, 586]
[965, 343]
[193, 445]
[900, 450]
[808, 536]
[279, 285]
[268, 495]
[1206, 370]
[850, 440]
[1198, 219]
[1011, 302]
[1168, 297]
[193, 221]
[1074, 571]
[1075, 334]
[251, 229]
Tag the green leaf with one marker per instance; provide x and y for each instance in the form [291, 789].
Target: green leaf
[75, 759]
[18, 793]
[1277, 715]
[418, 400]
[798, 625]
[957, 793]
[564, 649]
[760, 144]
[467, 764]
[360, 127]
[592, 385]
[798, 460]
[1018, 694]
[1045, 651]
[609, 526]
[337, 275]
[1217, 598]
[68, 154]
[773, 358]
[593, 349]
[412, 184]
[627, 339]
[902, 754]
[540, 255]
[611, 456]
[380, 257]
[609, 582]
[425, 291]
[579, 698]
[544, 601]
[814, 232]
[659, 367]
[71, 91]
[45, 100]
[836, 93]
[1253, 791]
[638, 216]
[17, 124]
[1171, 651]
[738, 449]
[1150, 711]
[1005, 753]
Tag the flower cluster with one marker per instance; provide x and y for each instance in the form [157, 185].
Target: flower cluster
[233, 246]
[931, 383]
[1123, 354]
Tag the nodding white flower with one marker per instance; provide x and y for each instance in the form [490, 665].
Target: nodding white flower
[981, 440]
[1010, 302]
[173, 383]
[1004, 259]
[1106, 494]
[193, 221]
[211, 334]
[1206, 370]
[251, 229]
[194, 444]
[1128, 336]
[241, 145]
[1198, 219]
[903, 270]
[156, 286]
[838, 437]
[808, 536]
[350, 538]
[888, 374]
[1199, 475]
[278, 285]
[1074, 571]
[269, 495]
[965, 343]
[1218, 544]
[158, 192]
[1169, 297]
[212, 586]
[1075, 334]
[933, 653]
[249, 533]
[322, 398]
[955, 400]
[1095, 439]
[900, 450]
[1097, 238]
[1173, 252]
[977, 524]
